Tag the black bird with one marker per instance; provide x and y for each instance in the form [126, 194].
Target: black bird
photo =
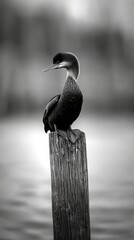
[63, 109]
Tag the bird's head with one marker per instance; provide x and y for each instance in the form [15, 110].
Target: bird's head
[65, 60]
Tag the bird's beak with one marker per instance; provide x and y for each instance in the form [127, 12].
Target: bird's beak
[53, 66]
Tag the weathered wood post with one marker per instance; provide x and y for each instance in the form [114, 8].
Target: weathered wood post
[70, 196]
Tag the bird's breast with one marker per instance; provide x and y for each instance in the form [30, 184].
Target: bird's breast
[71, 96]
[69, 105]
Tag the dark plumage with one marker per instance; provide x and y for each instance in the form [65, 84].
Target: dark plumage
[48, 110]
[62, 110]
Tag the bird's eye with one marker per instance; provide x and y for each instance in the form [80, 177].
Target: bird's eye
[58, 62]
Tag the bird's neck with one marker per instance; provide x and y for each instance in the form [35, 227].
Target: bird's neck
[74, 73]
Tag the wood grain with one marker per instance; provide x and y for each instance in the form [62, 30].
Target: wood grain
[70, 195]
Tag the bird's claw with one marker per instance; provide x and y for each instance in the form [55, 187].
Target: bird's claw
[71, 135]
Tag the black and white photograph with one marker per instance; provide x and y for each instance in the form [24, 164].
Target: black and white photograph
[66, 120]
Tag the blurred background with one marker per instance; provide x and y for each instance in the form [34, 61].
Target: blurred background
[101, 34]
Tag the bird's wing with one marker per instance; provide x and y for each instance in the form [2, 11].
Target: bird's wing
[48, 110]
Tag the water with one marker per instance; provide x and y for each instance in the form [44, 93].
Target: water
[25, 185]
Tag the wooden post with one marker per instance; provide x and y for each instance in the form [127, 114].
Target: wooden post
[70, 196]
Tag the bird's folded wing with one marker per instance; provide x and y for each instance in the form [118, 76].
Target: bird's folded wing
[49, 108]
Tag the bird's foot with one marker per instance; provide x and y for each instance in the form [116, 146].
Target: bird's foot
[60, 132]
[73, 135]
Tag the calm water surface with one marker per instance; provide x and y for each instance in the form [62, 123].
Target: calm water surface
[25, 185]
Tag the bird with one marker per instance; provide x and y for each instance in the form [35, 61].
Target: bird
[63, 109]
